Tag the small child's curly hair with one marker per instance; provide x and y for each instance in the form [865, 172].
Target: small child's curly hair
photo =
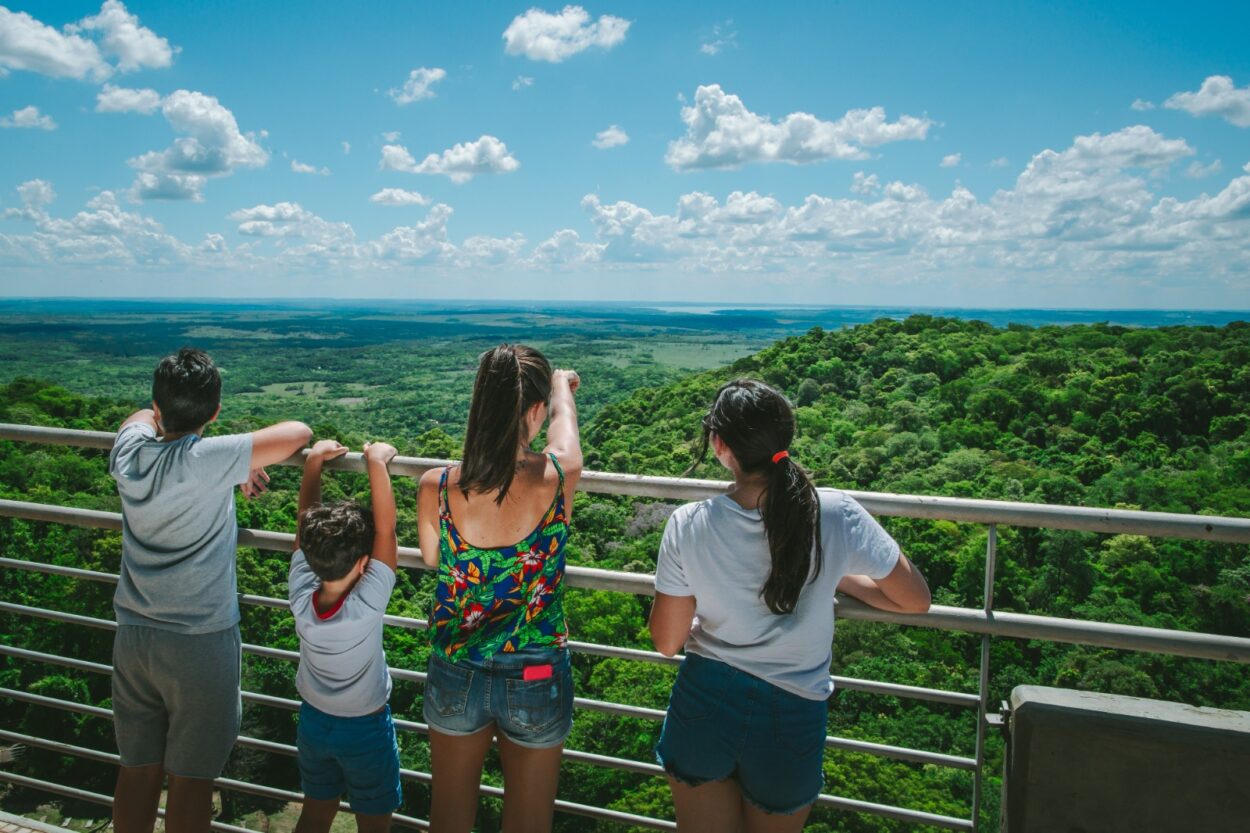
[333, 536]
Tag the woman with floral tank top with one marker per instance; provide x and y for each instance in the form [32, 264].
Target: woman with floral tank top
[495, 528]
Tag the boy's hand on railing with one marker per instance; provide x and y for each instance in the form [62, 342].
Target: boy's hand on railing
[324, 450]
[569, 376]
[379, 452]
[257, 483]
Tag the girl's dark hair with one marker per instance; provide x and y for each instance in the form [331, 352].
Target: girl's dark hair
[511, 379]
[187, 389]
[756, 422]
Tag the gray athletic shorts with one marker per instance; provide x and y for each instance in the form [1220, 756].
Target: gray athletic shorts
[176, 698]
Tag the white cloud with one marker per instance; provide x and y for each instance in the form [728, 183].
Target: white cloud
[612, 137]
[865, 184]
[398, 197]
[1000, 162]
[951, 160]
[1087, 215]
[103, 234]
[418, 85]
[1142, 105]
[1216, 97]
[397, 158]
[1197, 170]
[721, 38]
[521, 82]
[297, 233]
[301, 168]
[27, 44]
[123, 100]
[391, 136]
[552, 37]
[460, 163]
[425, 241]
[135, 46]
[722, 133]
[565, 248]
[28, 117]
[212, 146]
[347, 147]
[36, 195]
[483, 250]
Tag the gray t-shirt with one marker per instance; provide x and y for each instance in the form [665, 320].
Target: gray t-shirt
[716, 551]
[179, 532]
[342, 667]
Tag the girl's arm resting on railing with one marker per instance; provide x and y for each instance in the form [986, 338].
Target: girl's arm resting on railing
[903, 591]
[670, 623]
[427, 517]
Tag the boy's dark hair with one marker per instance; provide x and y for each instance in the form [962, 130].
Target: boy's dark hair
[187, 389]
[333, 536]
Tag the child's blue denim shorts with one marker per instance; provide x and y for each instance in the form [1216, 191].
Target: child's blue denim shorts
[353, 755]
[464, 697]
[724, 723]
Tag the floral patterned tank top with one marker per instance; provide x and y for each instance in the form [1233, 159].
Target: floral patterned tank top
[505, 599]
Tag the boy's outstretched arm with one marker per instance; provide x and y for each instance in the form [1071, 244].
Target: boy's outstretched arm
[310, 486]
[278, 442]
[385, 545]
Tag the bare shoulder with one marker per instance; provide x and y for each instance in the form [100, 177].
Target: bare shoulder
[431, 478]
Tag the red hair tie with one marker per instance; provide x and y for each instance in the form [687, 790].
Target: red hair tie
[780, 455]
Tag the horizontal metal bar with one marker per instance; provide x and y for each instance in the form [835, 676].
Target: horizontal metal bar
[93, 797]
[1000, 623]
[955, 698]
[965, 620]
[590, 648]
[963, 510]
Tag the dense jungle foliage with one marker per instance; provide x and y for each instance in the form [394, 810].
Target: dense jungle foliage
[1090, 415]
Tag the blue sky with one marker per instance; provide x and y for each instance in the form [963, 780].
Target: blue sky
[956, 154]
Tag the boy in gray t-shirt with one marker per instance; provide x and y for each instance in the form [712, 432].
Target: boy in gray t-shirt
[176, 653]
[342, 573]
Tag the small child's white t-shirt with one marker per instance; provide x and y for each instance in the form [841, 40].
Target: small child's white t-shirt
[716, 551]
[342, 666]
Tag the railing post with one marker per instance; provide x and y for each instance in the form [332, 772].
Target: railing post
[983, 689]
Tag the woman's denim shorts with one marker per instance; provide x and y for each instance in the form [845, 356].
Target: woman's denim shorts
[724, 723]
[464, 697]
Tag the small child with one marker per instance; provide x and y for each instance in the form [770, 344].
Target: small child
[176, 654]
[342, 574]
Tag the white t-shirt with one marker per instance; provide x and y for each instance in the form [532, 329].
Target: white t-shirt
[716, 551]
[342, 666]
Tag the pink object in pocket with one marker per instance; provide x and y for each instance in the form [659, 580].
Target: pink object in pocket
[537, 672]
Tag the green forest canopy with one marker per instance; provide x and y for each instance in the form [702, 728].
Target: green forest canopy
[1087, 415]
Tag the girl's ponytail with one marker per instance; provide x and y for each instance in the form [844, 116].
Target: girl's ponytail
[791, 515]
[511, 379]
[757, 423]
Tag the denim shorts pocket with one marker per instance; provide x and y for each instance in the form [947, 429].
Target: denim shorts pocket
[535, 705]
[447, 687]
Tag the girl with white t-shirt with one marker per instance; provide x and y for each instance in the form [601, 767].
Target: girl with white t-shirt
[745, 582]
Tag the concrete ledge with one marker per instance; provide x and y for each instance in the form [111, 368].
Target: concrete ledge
[1080, 762]
[10, 823]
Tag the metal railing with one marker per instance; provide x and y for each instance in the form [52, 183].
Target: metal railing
[986, 622]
